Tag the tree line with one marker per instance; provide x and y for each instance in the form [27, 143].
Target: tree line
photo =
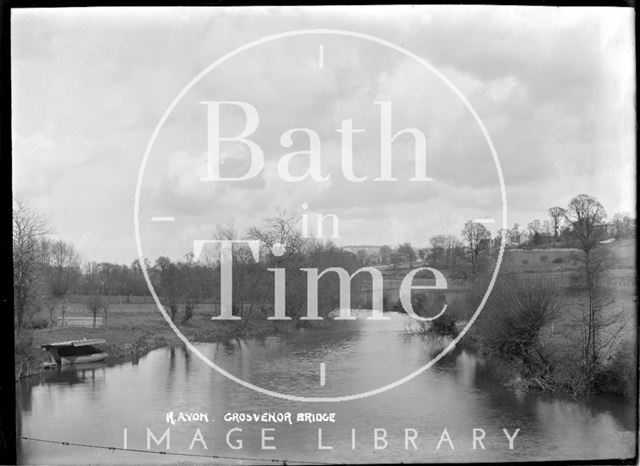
[587, 354]
[47, 272]
[583, 219]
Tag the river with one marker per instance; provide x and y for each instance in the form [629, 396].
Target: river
[94, 404]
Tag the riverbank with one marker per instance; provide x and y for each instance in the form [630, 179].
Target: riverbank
[549, 365]
[133, 330]
[459, 393]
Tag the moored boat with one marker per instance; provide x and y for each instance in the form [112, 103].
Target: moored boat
[76, 351]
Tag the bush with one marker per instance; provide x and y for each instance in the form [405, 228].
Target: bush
[619, 376]
[510, 326]
[445, 325]
[38, 322]
[26, 354]
[188, 313]
[429, 305]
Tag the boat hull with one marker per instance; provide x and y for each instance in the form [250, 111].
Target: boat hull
[83, 358]
[76, 351]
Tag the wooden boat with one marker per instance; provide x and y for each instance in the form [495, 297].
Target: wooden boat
[76, 352]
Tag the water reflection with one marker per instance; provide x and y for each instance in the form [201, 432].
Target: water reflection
[460, 393]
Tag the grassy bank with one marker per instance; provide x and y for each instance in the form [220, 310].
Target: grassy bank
[134, 329]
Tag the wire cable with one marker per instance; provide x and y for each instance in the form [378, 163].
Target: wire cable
[170, 453]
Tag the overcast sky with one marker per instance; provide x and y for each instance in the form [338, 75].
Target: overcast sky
[554, 88]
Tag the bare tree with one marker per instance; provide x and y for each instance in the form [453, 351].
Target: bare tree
[284, 247]
[280, 235]
[191, 287]
[95, 303]
[599, 326]
[362, 257]
[557, 214]
[395, 258]
[546, 229]
[168, 281]
[406, 251]
[29, 227]
[511, 325]
[422, 255]
[585, 215]
[63, 267]
[437, 250]
[475, 235]
[243, 264]
[385, 254]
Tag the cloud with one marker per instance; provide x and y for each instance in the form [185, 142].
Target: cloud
[553, 87]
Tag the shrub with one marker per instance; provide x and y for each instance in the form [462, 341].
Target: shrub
[188, 313]
[26, 358]
[445, 325]
[429, 306]
[173, 310]
[511, 323]
[397, 307]
[38, 322]
[96, 303]
[619, 376]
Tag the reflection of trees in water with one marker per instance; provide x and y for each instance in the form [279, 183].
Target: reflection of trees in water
[229, 346]
[187, 359]
[172, 369]
[537, 414]
[23, 396]
[466, 367]
[172, 359]
[595, 409]
[65, 376]
[75, 374]
[177, 354]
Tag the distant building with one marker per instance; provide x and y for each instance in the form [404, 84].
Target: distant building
[517, 237]
[606, 229]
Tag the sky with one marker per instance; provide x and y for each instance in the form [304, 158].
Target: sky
[553, 87]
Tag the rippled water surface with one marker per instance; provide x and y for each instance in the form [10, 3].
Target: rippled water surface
[94, 405]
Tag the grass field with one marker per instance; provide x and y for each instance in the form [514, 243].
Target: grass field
[133, 329]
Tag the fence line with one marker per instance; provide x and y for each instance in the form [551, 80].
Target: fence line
[81, 321]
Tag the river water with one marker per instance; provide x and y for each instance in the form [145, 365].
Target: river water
[95, 404]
